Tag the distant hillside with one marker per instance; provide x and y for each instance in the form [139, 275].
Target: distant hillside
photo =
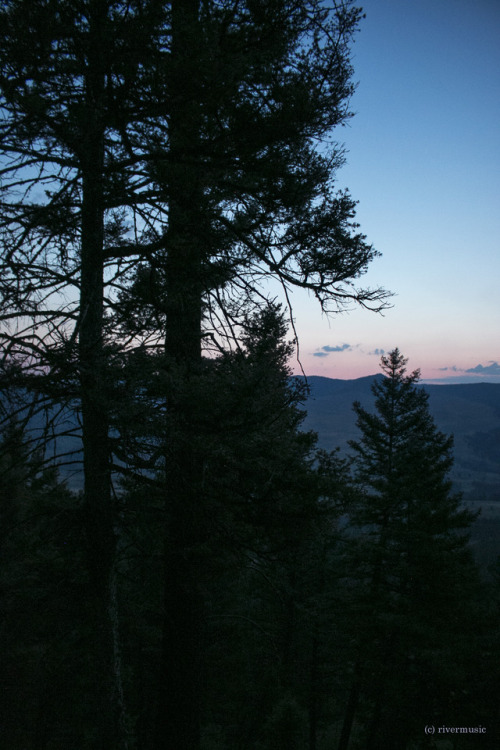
[469, 412]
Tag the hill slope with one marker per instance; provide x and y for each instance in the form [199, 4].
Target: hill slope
[470, 412]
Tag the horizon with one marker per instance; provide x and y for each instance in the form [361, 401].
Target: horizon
[471, 380]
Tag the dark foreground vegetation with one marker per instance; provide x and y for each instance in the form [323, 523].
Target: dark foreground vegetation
[219, 582]
[339, 603]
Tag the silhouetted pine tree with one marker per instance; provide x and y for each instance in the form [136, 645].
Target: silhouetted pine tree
[72, 79]
[163, 162]
[250, 91]
[410, 570]
[266, 516]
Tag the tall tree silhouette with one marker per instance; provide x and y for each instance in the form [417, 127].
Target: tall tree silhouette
[250, 198]
[164, 163]
[71, 77]
[409, 559]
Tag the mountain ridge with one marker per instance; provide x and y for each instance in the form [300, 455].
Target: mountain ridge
[468, 411]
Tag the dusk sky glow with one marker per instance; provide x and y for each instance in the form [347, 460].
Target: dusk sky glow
[424, 163]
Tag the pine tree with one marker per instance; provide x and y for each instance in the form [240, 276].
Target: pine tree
[71, 82]
[257, 564]
[409, 564]
[164, 162]
[250, 198]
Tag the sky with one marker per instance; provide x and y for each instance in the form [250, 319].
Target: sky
[423, 162]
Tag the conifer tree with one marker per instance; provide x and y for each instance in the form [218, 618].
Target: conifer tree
[71, 82]
[251, 197]
[410, 568]
[163, 163]
[258, 562]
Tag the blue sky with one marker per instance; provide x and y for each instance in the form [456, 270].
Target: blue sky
[424, 163]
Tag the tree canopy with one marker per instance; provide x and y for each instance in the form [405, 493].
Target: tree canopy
[162, 164]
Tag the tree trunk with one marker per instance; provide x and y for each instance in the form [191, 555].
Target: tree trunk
[314, 696]
[287, 638]
[373, 740]
[98, 511]
[180, 693]
[350, 713]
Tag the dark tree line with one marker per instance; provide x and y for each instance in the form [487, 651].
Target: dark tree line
[162, 165]
[341, 605]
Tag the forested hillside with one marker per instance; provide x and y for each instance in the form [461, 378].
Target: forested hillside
[469, 412]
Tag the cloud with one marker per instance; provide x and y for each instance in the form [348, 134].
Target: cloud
[492, 369]
[489, 373]
[377, 352]
[342, 348]
[326, 350]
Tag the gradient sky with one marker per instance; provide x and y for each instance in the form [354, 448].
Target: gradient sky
[424, 163]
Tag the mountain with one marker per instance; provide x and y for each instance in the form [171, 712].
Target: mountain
[470, 412]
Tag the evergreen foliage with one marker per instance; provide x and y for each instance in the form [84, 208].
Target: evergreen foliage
[162, 163]
[413, 574]
[268, 514]
[43, 626]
